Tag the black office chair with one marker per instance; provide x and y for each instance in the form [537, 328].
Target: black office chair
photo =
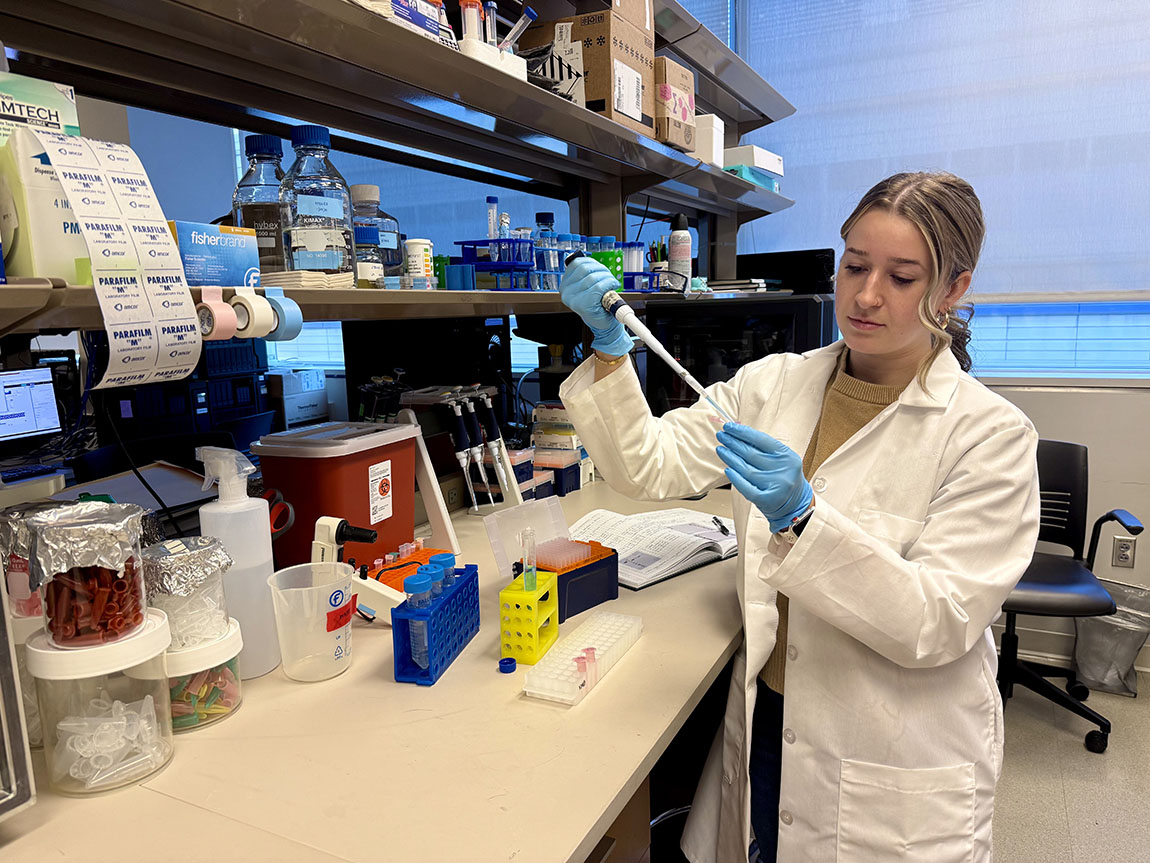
[1059, 586]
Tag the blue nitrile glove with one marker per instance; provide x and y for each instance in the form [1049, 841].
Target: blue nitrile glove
[581, 289]
[767, 473]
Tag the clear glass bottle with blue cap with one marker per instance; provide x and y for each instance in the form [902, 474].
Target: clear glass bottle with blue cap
[418, 590]
[315, 206]
[366, 210]
[256, 200]
[369, 264]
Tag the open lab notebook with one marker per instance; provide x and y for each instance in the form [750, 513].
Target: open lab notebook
[656, 545]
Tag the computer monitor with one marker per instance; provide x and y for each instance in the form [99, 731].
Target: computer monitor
[27, 405]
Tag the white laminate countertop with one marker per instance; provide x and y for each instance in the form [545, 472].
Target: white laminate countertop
[361, 768]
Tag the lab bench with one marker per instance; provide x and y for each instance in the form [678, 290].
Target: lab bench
[361, 768]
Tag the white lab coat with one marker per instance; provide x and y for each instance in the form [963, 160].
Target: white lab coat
[924, 521]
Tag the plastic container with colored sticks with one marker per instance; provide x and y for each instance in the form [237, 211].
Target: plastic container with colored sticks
[204, 682]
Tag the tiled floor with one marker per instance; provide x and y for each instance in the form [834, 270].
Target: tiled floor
[1058, 802]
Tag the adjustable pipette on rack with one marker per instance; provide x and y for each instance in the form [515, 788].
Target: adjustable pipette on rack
[494, 440]
[462, 451]
[625, 315]
[476, 435]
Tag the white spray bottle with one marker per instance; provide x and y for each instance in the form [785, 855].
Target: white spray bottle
[243, 525]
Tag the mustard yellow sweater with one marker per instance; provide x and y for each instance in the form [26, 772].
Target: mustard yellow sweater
[848, 405]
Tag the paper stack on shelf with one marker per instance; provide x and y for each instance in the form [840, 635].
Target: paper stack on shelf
[307, 279]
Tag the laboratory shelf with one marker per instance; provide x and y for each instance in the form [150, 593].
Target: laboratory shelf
[724, 83]
[708, 189]
[44, 306]
[394, 94]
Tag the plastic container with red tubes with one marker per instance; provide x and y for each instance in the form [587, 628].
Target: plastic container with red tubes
[86, 556]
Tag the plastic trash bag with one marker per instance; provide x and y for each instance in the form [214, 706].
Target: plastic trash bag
[1107, 647]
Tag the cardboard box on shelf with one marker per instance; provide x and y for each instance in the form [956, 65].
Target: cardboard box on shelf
[639, 13]
[618, 65]
[674, 104]
[290, 382]
[709, 139]
[755, 157]
[299, 409]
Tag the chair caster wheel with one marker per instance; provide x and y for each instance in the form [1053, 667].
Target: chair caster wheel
[1078, 690]
[1096, 741]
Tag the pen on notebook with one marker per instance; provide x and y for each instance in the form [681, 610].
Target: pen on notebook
[722, 527]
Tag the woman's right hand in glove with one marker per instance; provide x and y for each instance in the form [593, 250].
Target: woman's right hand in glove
[581, 289]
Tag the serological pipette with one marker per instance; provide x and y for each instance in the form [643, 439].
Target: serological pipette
[625, 315]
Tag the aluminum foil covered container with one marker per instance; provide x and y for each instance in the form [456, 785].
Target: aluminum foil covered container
[180, 567]
[87, 557]
[15, 549]
[185, 578]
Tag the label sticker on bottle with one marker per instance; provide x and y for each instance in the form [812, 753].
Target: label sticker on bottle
[379, 491]
[318, 205]
[388, 240]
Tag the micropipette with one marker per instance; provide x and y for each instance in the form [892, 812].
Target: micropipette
[625, 315]
[522, 24]
[476, 450]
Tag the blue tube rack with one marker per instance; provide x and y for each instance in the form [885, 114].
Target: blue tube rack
[452, 621]
[516, 260]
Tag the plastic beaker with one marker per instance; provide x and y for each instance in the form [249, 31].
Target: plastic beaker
[314, 607]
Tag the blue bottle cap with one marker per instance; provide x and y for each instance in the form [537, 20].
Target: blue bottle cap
[445, 559]
[491, 199]
[593, 240]
[366, 235]
[507, 664]
[567, 237]
[310, 136]
[530, 13]
[544, 217]
[432, 571]
[263, 145]
[610, 240]
[418, 583]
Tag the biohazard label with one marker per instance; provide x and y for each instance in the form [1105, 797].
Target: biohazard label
[379, 491]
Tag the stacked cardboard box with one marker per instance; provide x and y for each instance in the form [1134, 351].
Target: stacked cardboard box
[674, 104]
[618, 64]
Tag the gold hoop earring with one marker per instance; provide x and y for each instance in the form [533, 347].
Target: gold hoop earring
[943, 318]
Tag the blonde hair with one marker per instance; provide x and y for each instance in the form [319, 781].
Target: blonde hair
[948, 213]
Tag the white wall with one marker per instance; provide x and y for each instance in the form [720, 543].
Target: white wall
[1114, 423]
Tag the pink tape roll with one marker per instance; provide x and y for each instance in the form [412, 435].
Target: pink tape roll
[217, 319]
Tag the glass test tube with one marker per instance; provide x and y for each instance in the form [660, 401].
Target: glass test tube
[527, 537]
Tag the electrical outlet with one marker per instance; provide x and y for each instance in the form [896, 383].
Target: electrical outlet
[1122, 554]
[452, 497]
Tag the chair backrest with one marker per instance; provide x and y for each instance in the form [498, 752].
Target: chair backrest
[1062, 481]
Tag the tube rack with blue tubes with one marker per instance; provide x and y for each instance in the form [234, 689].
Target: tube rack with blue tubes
[451, 621]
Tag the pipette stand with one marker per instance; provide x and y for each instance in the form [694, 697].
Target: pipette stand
[442, 531]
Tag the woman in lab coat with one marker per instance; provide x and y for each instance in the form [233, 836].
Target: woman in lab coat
[887, 558]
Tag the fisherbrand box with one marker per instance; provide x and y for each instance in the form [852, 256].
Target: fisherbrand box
[217, 254]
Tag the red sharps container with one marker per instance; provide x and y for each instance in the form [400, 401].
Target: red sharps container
[87, 557]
